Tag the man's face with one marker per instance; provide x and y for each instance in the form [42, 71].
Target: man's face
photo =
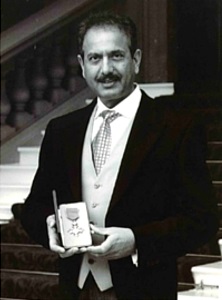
[108, 66]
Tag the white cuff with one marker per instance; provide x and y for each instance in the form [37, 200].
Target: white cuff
[135, 258]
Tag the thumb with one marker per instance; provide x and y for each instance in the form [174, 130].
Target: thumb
[51, 221]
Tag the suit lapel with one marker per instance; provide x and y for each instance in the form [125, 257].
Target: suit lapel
[145, 132]
[73, 145]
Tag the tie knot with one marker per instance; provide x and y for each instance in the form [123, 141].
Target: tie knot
[109, 115]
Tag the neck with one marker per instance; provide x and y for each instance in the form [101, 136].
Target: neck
[111, 103]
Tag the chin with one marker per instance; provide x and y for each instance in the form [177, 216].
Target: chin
[109, 95]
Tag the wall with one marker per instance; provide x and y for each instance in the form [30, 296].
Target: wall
[199, 42]
[181, 42]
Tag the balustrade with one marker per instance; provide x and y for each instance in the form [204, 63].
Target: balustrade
[43, 77]
[19, 94]
[46, 70]
[72, 80]
[56, 73]
[38, 84]
[6, 129]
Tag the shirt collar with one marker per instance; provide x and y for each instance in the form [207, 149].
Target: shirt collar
[127, 107]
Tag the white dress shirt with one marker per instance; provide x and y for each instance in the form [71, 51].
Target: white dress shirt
[127, 110]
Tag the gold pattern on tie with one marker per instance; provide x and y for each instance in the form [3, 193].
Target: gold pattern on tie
[101, 144]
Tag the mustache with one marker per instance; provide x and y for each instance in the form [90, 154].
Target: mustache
[110, 76]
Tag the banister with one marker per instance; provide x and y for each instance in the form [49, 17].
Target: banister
[44, 22]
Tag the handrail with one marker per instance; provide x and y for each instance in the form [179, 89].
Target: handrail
[44, 22]
[8, 149]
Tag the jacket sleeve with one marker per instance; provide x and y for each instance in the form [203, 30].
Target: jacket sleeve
[195, 218]
[39, 203]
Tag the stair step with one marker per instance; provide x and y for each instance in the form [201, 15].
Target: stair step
[16, 174]
[5, 214]
[220, 215]
[28, 155]
[15, 299]
[182, 286]
[214, 132]
[208, 274]
[212, 116]
[28, 257]
[13, 232]
[215, 168]
[218, 190]
[10, 194]
[211, 247]
[29, 285]
[220, 246]
[185, 263]
[214, 150]
[199, 294]
[207, 278]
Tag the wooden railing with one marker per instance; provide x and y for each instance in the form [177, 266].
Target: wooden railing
[39, 66]
[41, 24]
[40, 73]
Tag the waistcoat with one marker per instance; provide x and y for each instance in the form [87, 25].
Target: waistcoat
[97, 192]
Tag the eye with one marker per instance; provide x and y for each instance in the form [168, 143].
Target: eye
[94, 58]
[117, 56]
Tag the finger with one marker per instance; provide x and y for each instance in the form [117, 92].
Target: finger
[100, 250]
[98, 230]
[82, 249]
[95, 250]
[71, 251]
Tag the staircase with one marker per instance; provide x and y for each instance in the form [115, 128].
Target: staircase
[16, 180]
[28, 271]
[200, 273]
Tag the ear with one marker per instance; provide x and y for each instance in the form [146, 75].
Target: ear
[137, 60]
[81, 62]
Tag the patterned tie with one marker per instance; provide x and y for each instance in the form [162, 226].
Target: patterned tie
[101, 144]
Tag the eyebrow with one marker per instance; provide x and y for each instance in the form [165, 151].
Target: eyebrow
[118, 51]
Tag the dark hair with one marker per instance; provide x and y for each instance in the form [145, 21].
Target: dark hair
[106, 18]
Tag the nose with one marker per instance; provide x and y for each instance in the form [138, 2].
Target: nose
[106, 67]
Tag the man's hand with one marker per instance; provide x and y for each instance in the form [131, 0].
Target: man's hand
[119, 242]
[54, 241]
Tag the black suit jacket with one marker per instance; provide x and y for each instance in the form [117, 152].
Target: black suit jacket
[163, 193]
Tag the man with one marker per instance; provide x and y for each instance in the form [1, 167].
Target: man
[149, 202]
